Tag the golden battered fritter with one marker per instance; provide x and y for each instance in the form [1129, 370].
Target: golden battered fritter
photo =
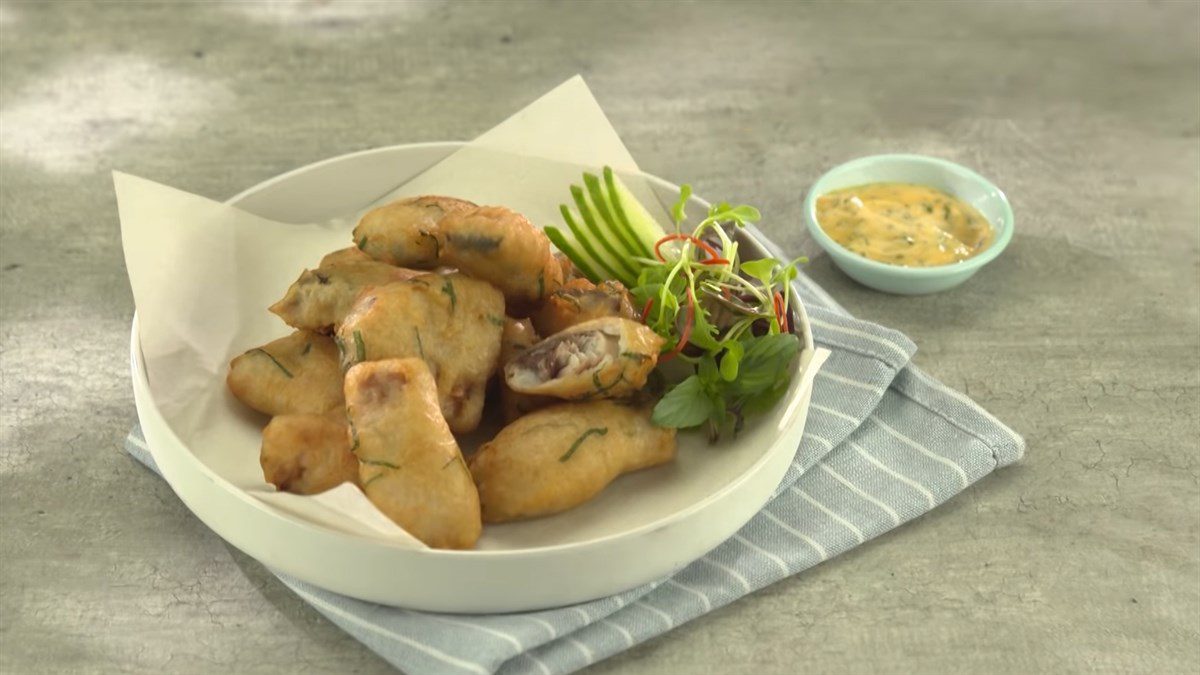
[451, 321]
[299, 373]
[320, 298]
[410, 466]
[601, 358]
[350, 254]
[559, 457]
[502, 247]
[308, 454]
[580, 300]
[405, 232]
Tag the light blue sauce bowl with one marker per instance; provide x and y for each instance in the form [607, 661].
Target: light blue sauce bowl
[948, 177]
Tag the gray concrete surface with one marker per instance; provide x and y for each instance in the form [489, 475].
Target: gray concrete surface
[1084, 336]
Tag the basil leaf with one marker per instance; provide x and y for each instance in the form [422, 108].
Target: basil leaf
[686, 405]
[765, 363]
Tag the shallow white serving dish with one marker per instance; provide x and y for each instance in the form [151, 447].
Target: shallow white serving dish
[643, 527]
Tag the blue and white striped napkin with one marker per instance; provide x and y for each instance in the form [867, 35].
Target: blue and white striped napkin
[884, 444]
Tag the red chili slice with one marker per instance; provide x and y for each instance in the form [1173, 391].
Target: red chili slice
[780, 312]
[686, 333]
[714, 258]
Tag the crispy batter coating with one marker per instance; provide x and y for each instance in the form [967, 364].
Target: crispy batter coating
[350, 254]
[580, 300]
[566, 268]
[307, 454]
[559, 457]
[451, 321]
[320, 298]
[410, 466]
[405, 232]
[518, 335]
[502, 247]
[602, 358]
[299, 373]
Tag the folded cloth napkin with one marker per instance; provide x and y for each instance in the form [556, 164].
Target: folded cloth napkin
[884, 444]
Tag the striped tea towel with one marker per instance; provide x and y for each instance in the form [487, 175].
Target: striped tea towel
[884, 444]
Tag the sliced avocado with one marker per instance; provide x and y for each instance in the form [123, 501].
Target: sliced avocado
[602, 238]
[631, 212]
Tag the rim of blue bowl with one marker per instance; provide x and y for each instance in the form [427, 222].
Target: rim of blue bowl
[1003, 234]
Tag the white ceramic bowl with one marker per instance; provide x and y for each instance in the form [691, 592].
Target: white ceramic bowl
[643, 527]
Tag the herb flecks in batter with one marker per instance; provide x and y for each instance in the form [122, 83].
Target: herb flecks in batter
[360, 349]
[274, 360]
[594, 431]
[478, 243]
[378, 462]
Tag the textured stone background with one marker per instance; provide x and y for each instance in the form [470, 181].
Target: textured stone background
[1084, 335]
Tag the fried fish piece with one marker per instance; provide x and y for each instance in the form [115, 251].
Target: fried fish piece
[410, 466]
[602, 358]
[350, 254]
[517, 336]
[502, 247]
[299, 373]
[580, 300]
[451, 321]
[405, 232]
[320, 298]
[308, 454]
[559, 457]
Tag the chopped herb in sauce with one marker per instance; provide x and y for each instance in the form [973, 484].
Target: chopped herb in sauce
[448, 289]
[594, 431]
[362, 243]
[307, 349]
[495, 320]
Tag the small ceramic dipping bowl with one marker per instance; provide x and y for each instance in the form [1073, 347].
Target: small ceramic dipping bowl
[948, 177]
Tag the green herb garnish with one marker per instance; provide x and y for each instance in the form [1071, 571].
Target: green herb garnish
[732, 317]
[378, 462]
[596, 431]
[360, 349]
[274, 360]
[495, 320]
[448, 289]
